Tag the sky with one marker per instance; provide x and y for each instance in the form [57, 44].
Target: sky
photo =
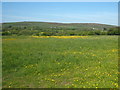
[61, 12]
[60, 0]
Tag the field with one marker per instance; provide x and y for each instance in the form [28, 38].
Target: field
[60, 61]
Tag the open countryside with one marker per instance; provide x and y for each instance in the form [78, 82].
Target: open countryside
[60, 61]
[60, 45]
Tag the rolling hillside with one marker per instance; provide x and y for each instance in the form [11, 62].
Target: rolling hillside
[50, 25]
[57, 29]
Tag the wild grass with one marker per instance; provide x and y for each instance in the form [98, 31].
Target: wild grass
[90, 62]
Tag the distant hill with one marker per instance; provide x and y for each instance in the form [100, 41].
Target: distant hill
[41, 25]
[49, 29]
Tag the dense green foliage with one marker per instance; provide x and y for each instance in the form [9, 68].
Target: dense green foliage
[90, 62]
[57, 29]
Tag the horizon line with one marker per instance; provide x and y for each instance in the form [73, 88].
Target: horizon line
[62, 22]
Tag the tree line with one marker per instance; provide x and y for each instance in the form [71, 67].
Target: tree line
[10, 30]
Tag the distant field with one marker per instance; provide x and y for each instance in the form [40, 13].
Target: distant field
[60, 62]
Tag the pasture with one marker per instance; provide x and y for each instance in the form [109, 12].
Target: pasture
[60, 61]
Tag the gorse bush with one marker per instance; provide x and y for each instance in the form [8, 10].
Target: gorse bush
[114, 31]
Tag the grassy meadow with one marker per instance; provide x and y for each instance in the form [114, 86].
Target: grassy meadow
[60, 61]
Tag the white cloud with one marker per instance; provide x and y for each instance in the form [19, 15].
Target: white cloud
[99, 17]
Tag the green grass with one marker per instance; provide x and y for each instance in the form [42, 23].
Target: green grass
[60, 63]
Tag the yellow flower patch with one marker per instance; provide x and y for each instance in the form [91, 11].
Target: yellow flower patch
[60, 37]
[10, 39]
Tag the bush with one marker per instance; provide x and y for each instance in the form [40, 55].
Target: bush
[113, 31]
[6, 33]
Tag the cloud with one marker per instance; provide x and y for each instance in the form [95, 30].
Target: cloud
[7, 18]
[98, 17]
[101, 17]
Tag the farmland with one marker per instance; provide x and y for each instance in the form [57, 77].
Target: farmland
[60, 61]
[58, 29]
